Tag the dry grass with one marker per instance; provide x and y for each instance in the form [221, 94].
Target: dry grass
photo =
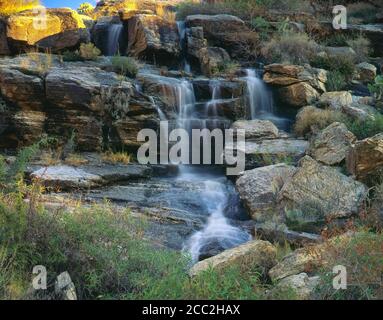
[362, 47]
[312, 118]
[75, 159]
[165, 13]
[8, 7]
[117, 157]
[295, 48]
[40, 62]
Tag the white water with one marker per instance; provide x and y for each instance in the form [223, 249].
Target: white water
[217, 231]
[182, 32]
[261, 102]
[114, 34]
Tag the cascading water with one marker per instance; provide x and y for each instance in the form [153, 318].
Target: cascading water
[260, 98]
[114, 34]
[217, 233]
[261, 102]
[182, 32]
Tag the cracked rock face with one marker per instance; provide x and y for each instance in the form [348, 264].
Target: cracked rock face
[331, 145]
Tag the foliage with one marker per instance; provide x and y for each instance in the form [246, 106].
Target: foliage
[362, 255]
[376, 88]
[117, 157]
[125, 65]
[295, 48]
[362, 47]
[313, 117]
[342, 64]
[365, 128]
[336, 81]
[165, 13]
[263, 26]
[88, 51]
[10, 7]
[85, 8]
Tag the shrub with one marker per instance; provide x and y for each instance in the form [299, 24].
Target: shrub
[362, 255]
[342, 64]
[376, 88]
[336, 81]
[71, 56]
[15, 6]
[362, 47]
[85, 8]
[117, 157]
[88, 51]
[312, 117]
[39, 62]
[365, 128]
[295, 48]
[125, 66]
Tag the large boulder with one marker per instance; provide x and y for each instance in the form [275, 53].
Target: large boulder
[336, 100]
[60, 29]
[256, 129]
[365, 159]
[296, 85]
[212, 59]
[313, 185]
[254, 253]
[22, 89]
[271, 151]
[298, 95]
[366, 72]
[301, 285]
[225, 31]
[331, 145]
[258, 189]
[151, 35]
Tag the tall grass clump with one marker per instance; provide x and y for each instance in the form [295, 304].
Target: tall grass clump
[289, 47]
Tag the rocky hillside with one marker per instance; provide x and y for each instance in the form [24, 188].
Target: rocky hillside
[75, 94]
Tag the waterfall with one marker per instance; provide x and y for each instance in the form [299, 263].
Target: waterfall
[217, 234]
[260, 98]
[182, 32]
[114, 33]
[261, 102]
[211, 106]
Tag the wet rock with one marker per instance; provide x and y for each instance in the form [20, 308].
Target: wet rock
[151, 35]
[301, 284]
[366, 72]
[272, 151]
[64, 30]
[336, 100]
[331, 145]
[212, 59]
[21, 88]
[279, 233]
[228, 89]
[257, 253]
[257, 129]
[66, 177]
[195, 42]
[365, 159]
[258, 189]
[333, 194]
[4, 48]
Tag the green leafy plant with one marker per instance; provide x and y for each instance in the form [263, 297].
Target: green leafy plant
[336, 81]
[376, 88]
[88, 51]
[125, 65]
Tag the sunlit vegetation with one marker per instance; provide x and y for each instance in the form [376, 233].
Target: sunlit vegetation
[10, 7]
